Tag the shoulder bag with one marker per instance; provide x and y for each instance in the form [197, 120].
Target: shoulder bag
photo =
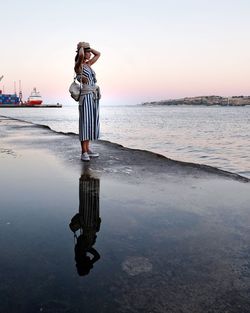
[75, 88]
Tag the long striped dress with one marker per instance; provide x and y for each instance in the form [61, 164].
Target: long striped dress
[89, 190]
[89, 124]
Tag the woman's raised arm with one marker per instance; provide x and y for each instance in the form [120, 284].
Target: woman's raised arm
[95, 57]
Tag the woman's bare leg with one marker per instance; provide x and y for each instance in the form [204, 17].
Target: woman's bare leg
[85, 146]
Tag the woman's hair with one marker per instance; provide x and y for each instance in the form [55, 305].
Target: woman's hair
[77, 55]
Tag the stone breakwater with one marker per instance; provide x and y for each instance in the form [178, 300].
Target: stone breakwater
[205, 100]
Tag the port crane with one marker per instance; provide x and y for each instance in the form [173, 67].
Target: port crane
[0, 80]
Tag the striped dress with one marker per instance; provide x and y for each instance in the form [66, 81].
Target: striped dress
[89, 125]
[89, 189]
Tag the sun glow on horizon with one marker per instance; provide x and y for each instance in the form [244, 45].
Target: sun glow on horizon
[169, 50]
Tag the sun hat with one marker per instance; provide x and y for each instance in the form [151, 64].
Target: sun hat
[84, 45]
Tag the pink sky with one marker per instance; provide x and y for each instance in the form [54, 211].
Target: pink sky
[156, 51]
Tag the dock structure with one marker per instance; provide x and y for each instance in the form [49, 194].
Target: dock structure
[57, 105]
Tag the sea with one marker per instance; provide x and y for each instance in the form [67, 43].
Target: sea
[215, 135]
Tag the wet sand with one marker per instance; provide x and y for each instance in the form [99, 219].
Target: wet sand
[147, 234]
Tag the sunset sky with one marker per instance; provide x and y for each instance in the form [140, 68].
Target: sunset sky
[151, 50]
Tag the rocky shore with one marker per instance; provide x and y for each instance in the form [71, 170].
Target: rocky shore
[205, 100]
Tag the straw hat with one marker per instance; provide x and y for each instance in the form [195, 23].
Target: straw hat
[83, 44]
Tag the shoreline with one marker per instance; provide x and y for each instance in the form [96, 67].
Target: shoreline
[235, 101]
[205, 167]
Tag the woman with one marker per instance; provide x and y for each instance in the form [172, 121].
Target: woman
[87, 222]
[89, 127]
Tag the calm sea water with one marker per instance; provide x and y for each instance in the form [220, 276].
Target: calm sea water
[216, 136]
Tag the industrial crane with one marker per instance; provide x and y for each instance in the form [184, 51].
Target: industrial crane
[3, 87]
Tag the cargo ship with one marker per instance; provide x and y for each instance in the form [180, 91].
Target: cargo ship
[9, 99]
[35, 98]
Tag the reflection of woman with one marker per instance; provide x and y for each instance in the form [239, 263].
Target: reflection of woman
[88, 222]
[89, 127]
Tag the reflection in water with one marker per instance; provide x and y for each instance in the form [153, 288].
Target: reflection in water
[87, 221]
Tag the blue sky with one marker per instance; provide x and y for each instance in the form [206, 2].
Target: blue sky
[151, 50]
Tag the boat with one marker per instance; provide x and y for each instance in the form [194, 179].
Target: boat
[14, 100]
[9, 99]
[35, 98]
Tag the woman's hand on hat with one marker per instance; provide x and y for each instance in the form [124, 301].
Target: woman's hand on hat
[82, 45]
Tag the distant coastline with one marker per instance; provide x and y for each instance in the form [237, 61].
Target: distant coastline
[205, 100]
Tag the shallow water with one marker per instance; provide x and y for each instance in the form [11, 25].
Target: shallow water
[216, 136]
[146, 244]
